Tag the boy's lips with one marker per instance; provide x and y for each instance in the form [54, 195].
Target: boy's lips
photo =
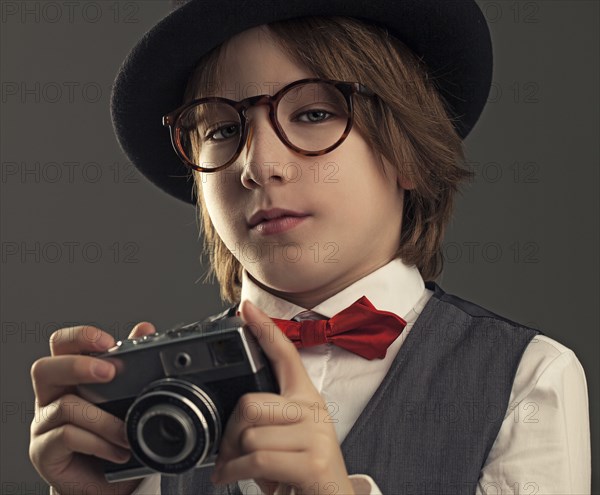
[265, 215]
[277, 225]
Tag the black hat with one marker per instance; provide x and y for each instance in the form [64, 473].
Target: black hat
[451, 36]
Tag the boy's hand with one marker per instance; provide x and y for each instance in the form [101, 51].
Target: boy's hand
[287, 438]
[66, 426]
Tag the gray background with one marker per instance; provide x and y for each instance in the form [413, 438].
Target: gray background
[85, 239]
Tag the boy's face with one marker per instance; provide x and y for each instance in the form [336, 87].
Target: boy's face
[353, 212]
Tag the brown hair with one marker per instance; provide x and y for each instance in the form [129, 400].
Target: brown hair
[409, 125]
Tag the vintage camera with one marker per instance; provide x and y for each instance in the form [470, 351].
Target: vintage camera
[175, 391]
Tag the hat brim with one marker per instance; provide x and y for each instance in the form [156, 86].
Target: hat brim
[451, 37]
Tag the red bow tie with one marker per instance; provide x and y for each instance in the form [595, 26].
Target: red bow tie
[360, 328]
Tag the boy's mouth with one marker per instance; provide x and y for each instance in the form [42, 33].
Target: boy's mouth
[262, 216]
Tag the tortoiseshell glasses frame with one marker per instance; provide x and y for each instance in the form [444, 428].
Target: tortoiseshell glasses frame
[347, 89]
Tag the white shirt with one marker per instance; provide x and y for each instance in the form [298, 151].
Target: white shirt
[543, 445]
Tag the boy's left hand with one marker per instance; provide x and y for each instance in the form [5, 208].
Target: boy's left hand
[287, 438]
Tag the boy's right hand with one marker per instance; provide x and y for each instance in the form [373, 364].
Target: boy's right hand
[66, 426]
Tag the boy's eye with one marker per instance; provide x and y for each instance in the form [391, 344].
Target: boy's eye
[221, 133]
[314, 115]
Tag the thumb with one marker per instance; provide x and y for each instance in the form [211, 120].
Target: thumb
[141, 329]
[281, 352]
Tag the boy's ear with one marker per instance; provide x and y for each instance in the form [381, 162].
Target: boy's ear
[405, 183]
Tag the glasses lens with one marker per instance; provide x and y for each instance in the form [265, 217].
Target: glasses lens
[313, 116]
[209, 134]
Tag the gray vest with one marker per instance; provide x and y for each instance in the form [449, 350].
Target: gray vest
[430, 425]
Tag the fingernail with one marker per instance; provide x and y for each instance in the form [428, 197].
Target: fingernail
[122, 455]
[102, 370]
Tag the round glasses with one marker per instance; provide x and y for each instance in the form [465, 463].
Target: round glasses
[310, 116]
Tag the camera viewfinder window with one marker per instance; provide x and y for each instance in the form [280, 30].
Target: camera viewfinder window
[226, 351]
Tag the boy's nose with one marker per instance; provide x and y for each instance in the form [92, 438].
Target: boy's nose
[264, 153]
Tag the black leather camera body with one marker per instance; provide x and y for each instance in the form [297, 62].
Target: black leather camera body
[176, 390]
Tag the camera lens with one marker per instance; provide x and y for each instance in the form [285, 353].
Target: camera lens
[170, 430]
[166, 434]
[173, 426]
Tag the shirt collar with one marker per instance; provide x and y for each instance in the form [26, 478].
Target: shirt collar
[395, 287]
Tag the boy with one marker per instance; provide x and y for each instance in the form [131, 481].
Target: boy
[426, 410]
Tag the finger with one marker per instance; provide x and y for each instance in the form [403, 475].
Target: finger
[251, 410]
[288, 438]
[72, 409]
[141, 329]
[264, 408]
[57, 445]
[53, 376]
[75, 340]
[283, 355]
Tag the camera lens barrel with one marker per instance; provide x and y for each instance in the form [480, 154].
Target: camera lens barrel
[173, 426]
